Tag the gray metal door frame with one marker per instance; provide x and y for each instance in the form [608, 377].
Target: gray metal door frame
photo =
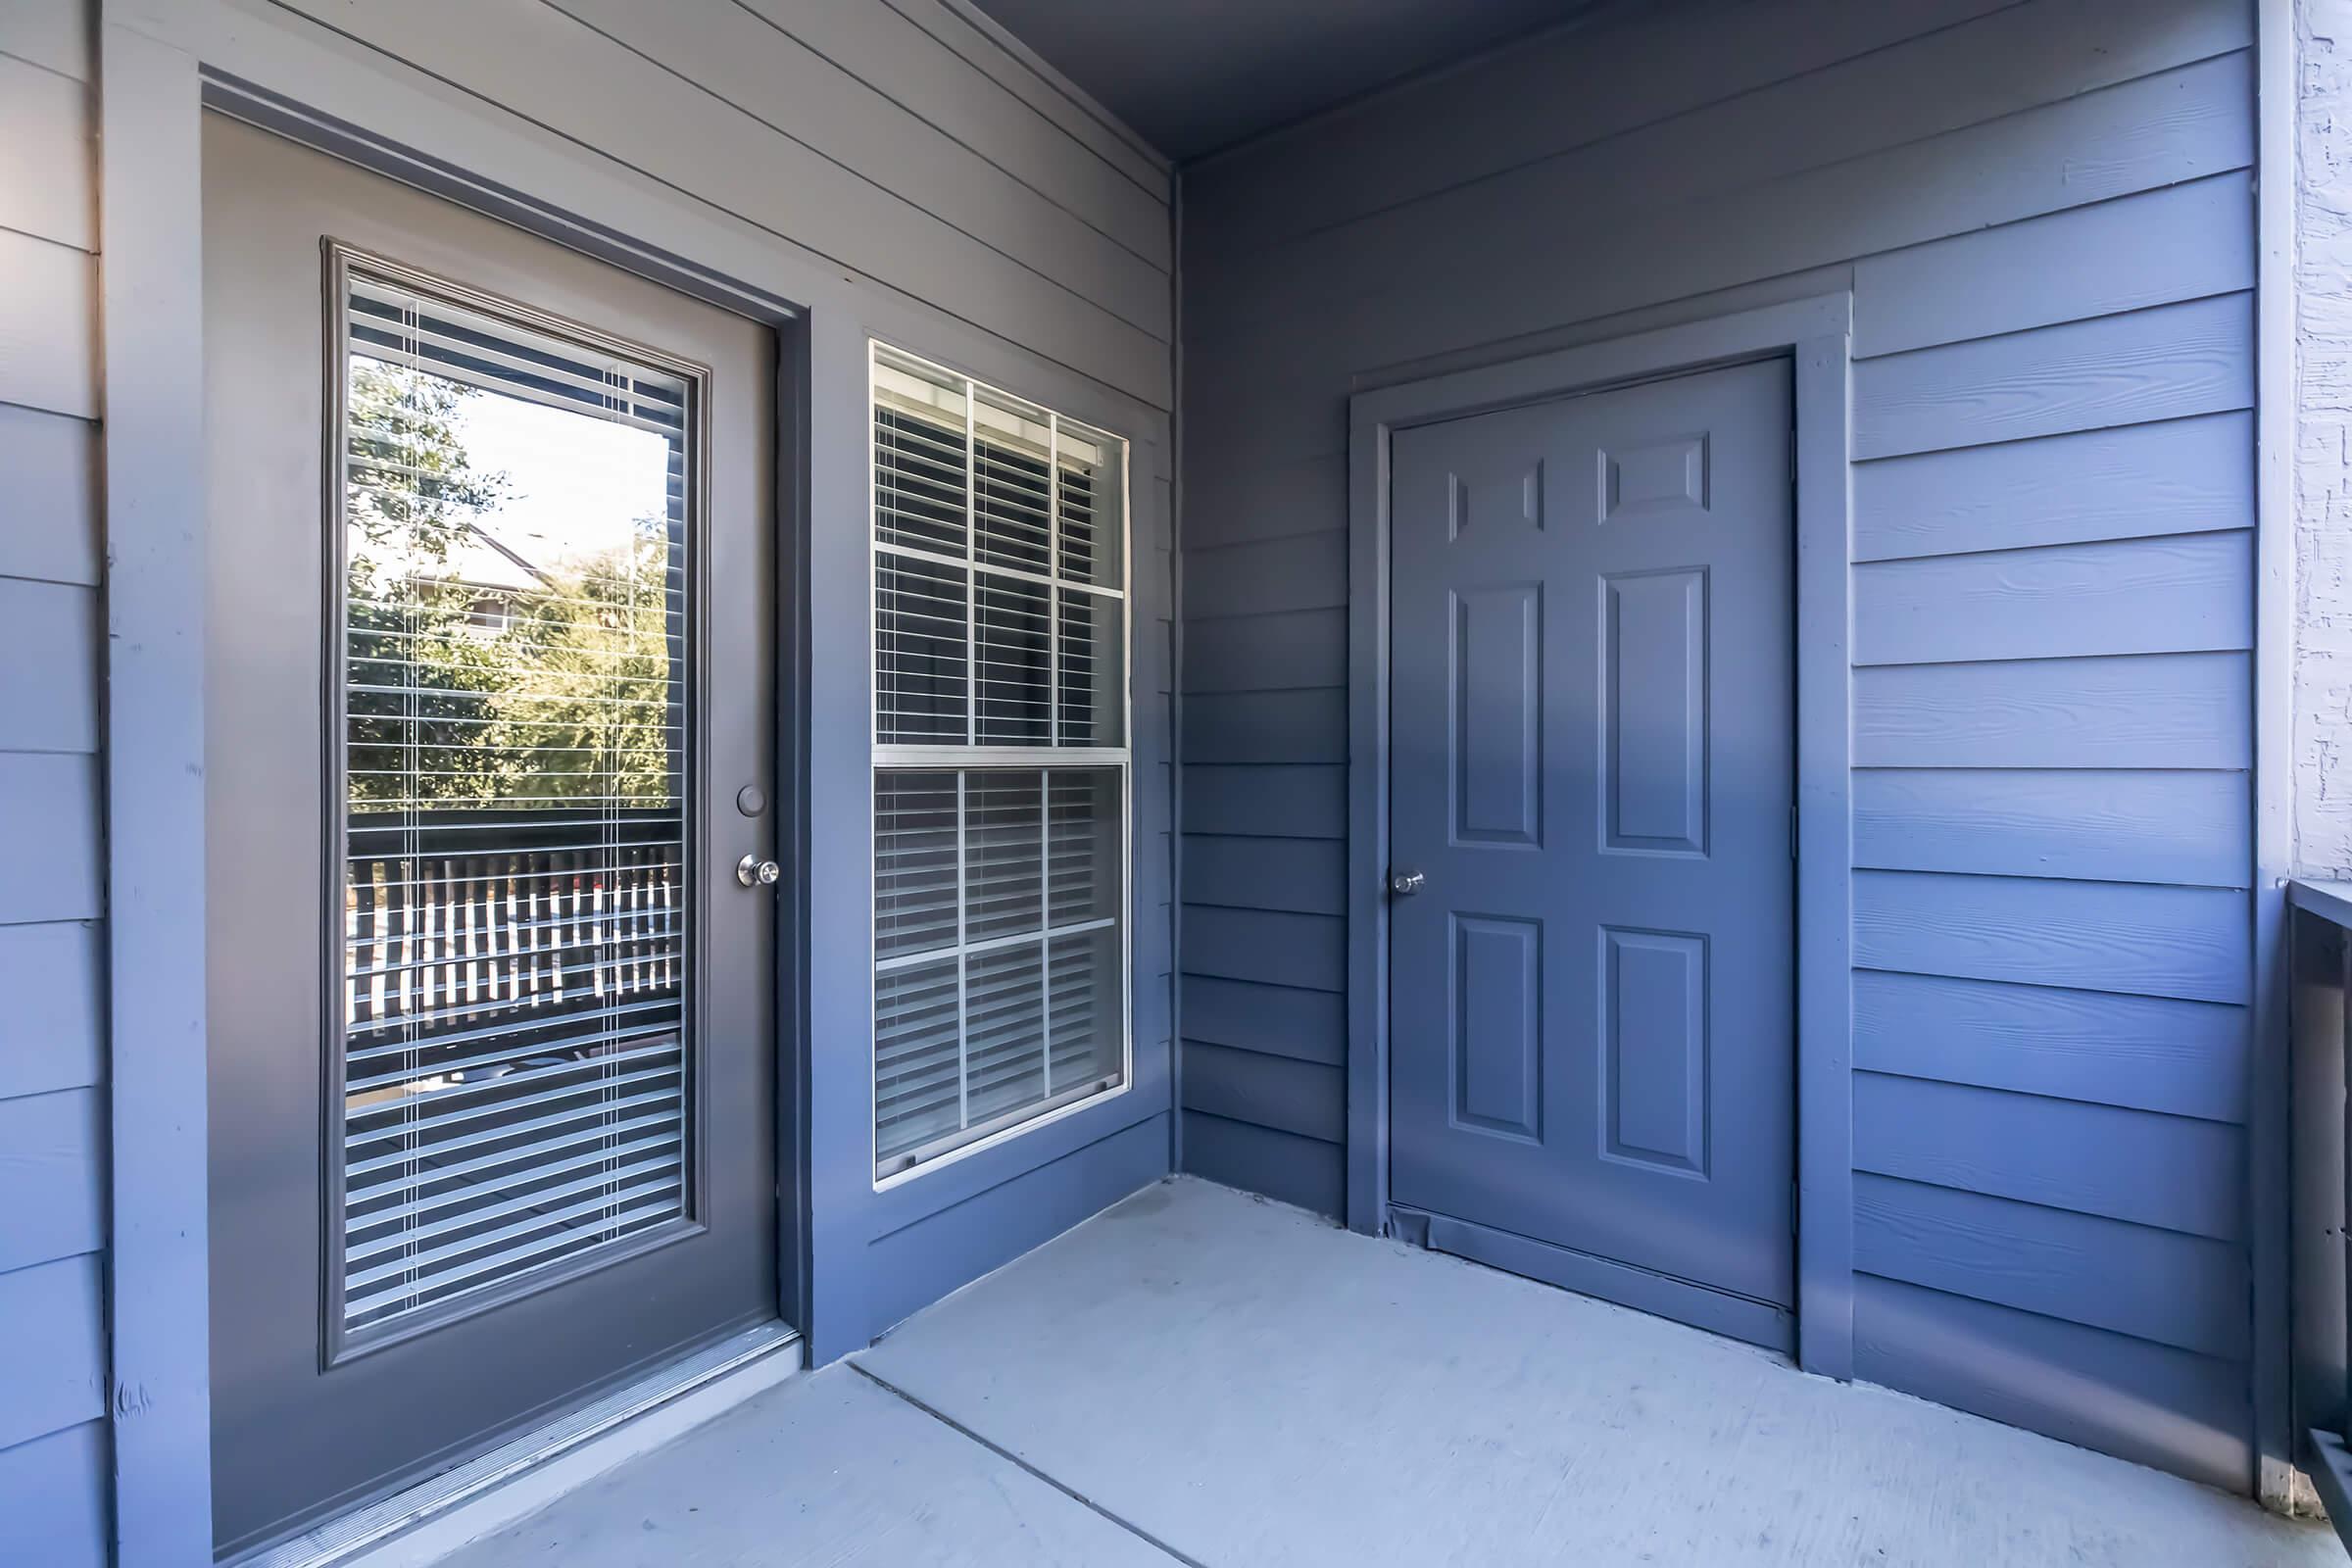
[563, 1331]
[1816, 334]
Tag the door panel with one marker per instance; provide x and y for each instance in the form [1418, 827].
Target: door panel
[489, 657]
[1592, 685]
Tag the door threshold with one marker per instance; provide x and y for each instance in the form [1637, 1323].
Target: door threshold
[1740, 1317]
[528, 1472]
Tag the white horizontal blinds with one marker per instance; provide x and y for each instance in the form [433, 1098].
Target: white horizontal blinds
[1000, 984]
[1003, 854]
[1085, 891]
[998, 990]
[998, 572]
[513, 942]
[919, 1056]
[1012, 639]
[1091, 689]
[923, 652]
[917, 860]
[923, 584]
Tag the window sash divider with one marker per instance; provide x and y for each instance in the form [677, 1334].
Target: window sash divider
[909, 960]
[885, 546]
[971, 648]
[983, 758]
[963, 986]
[1052, 632]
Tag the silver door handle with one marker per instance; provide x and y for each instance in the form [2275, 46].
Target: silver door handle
[754, 872]
[1404, 884]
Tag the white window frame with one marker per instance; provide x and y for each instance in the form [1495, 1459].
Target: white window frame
[957, 758]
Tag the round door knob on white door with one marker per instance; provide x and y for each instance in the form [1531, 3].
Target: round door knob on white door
[754, 872]
[1404, 884]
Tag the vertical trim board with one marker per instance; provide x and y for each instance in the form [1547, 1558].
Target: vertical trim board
[1825, 853]
[152, 230]
[2270, 1191]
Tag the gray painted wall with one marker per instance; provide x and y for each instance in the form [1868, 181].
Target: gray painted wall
[2044, 213]
[2323, 441]
[53, 1376]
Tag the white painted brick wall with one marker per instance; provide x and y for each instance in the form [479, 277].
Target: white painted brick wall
[2323, 659]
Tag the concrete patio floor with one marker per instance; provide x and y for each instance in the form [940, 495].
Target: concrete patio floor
[1201, 1377]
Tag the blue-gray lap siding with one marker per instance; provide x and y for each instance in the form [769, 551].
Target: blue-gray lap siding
[2045, 214]
[54, 1453]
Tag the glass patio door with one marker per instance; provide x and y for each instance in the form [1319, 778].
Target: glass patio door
[491, 726]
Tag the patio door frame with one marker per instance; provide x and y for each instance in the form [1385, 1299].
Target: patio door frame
[158, 81]
[1816, 334]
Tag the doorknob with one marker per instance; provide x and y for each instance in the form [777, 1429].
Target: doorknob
[1404, 884]
[754, 872]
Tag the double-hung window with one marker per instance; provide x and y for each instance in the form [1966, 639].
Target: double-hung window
[1001, 763]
